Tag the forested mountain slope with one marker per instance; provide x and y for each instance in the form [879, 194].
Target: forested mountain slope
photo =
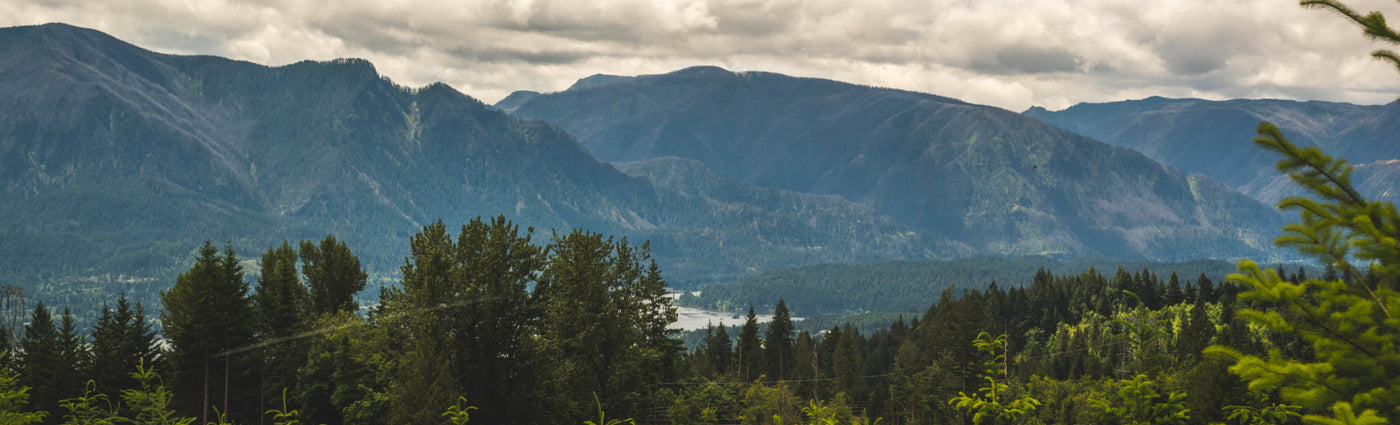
[117, 162]
[1213, 137]
[992, 179]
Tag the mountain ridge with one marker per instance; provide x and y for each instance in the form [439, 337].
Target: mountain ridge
[976, 174]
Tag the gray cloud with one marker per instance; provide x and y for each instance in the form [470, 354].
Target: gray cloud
[1008, 53]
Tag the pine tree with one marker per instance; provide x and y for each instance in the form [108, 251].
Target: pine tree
[281, 303]
[121, 340]
[210, 324]
[750, 349]
[720, 350]
[41, 362]
[777, 342]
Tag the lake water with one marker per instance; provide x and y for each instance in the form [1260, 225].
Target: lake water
[694, 318]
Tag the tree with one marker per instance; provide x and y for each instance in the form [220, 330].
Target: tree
[777, 343]
[333, 275]
[750, 349]
[41, 361]
[996, 401]
[14, 401]
[1354, 373]
[719, 349]
[209, 322]
[122, 340]
[605, 319]
[281, 303]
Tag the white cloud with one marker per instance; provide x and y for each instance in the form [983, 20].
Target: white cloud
[1009, 53]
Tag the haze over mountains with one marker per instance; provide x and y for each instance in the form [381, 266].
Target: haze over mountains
[117, 162]
[1212, 138]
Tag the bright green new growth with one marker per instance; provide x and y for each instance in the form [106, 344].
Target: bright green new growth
[603, 418]
[1269, 414]
[988, 402]
[14, 401]
[458, 415]
[1137, 402]
[151, 403]
[1355, 372]
[284, 416]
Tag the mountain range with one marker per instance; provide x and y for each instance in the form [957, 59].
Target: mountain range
[116, 163]
[996, 181]
[1213, 138]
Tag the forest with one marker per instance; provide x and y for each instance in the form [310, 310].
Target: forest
[489, 326]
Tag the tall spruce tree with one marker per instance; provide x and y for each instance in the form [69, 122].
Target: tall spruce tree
[720, 350]
[41, 362]
[281, 303]
[122, 339]
[210, 324]
[750, 349]
[777, 345]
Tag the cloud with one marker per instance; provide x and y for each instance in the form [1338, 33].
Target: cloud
[1008, 53]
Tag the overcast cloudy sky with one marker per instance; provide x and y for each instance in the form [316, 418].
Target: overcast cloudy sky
[1008, 53]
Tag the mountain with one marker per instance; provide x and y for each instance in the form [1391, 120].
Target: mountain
[997, 181]
[116, 163]
[1214, 137]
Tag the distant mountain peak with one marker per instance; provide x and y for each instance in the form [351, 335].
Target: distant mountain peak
[704, 71]
[597, 80]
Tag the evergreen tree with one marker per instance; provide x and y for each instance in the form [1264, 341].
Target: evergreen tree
[281, 303]
[777, 342]
[41, 361]
[210, 324]
[14, 400]
[719, 349]
[493, 319]
[749, 350]
[605, 314]
[1354, 372]
[122, 339]
[846, 361]
[333, 275]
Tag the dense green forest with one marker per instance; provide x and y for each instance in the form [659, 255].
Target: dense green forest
[488, 324]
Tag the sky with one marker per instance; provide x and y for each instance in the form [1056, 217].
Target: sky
[1008, 53]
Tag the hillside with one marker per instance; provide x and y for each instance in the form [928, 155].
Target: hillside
[911, 286]
[997, 181]
[1214, 137]
[118, 162]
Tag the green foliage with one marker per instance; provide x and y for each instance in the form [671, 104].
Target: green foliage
[210, 323]
[151, 403]
[122, 340]
[1347, 322]
[1137, 402]
[1262, 412]
[765, 404]
[14, 400]
[994, 402]
[603, 417]
[288, 416]
[89, 409]
[459, 413]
